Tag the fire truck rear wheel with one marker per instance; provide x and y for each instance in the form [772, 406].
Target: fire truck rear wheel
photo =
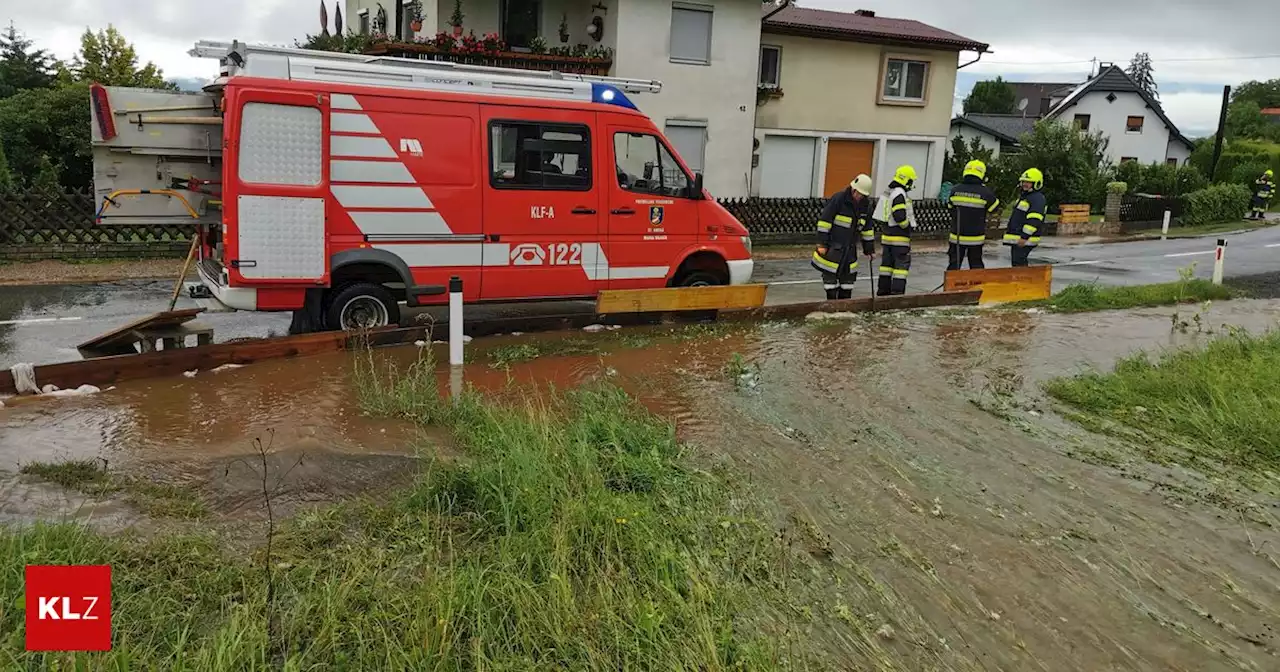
[700, 279]
[361, 305]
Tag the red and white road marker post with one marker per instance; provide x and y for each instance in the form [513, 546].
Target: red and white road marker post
[455, 337]
[1218, 260]
[1164, 228]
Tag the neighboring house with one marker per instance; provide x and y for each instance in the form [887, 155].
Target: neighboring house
[704, 52]
[1271, 114]
[1135, 124]
[848, 93]
[1040, 96]
[1133, 121]
[998, 132]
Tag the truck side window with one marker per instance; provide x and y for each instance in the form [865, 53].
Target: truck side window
[645, 166]
[531, 155]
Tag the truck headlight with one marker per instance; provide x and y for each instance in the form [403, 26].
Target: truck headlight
[746, 242]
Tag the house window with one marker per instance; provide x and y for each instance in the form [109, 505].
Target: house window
[406, 16]
[770, 66]
[691, 33]
[690, 140]
[1172, 162]
[1082, 122]
[1128, 159]
[904, 80]
[1133, 125]
[526, 155]
[645, 166]
[520, 21]
[364, 22]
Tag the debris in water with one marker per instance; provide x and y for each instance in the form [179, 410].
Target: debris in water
[593, 328]
[420, 344]
[517, 333]
[994, 616]
[228, 367]
[82, 391]
[937, 508]
[191, 374]
[1139, 409]
[1033, 311]
[831, 316]
[466, 339]
[1034, 413]
[886, 632]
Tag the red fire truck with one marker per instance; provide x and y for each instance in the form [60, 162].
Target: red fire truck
[342, 185]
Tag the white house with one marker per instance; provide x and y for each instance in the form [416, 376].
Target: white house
[1133, 121]
[1135, 124]
[703, 51]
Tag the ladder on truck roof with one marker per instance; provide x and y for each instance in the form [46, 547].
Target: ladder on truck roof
[240, 59]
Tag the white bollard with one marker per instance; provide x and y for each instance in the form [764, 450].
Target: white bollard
[1164, 229]
[1218, 261]
[455, 321]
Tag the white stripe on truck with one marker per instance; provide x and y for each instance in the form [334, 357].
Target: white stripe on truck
[387, 172]
[400, 223]
[360, 147]
[380, 197]
[345, 122]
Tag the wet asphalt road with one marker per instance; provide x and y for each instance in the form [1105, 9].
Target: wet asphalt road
[43, 324]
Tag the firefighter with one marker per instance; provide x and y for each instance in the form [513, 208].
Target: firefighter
[843, 222]
[897, 219]
[1265, 187]
[970, 203]
[1027, 219]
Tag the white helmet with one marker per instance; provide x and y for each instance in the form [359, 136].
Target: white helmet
[862, 185]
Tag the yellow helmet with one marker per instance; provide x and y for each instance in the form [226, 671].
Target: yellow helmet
[862, 185]
[976, 168]
[1034, 176]
[905, 175]
[1269, 173]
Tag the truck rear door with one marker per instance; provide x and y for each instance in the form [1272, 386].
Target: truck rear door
[280, 169]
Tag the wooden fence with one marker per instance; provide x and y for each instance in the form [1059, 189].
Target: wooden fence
[36, 225]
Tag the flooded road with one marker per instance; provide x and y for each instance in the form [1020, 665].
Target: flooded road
[953, 505]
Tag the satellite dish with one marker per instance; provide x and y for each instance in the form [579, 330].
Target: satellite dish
[1022, 105]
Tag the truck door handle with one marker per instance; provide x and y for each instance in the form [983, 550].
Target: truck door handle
[622, 211]
[583, 211]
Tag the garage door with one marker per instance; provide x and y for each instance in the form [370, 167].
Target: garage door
[786, 167]
[914, 154]
[846, 159]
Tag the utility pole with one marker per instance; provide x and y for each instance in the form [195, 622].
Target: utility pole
[1222, 131]
[1093, 66]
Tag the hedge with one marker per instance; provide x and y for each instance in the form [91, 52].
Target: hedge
[1219, 203]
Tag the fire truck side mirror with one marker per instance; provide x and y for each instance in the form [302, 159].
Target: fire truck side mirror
[695, 191]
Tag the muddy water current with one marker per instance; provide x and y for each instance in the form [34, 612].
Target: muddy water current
[960, 538]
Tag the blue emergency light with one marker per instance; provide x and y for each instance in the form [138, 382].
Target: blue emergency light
[610, 95]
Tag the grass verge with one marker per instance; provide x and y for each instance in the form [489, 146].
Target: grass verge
[92, 478]
[574, 536]
[1208, 229]
[1086, 298]
[1221, 402]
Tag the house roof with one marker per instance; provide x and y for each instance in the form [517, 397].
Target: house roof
[1271, 111]
[1006, 127]
[1112, 79]
[863, 26]
[1034, 92]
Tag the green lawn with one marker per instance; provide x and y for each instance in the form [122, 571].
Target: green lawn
[1086, 298]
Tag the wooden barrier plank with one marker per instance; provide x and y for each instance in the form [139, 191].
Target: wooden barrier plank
[904, 302]
[673, 299]
[1002, 285]
[119, 368]
[120, 341]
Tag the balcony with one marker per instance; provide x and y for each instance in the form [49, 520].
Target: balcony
[491, 51]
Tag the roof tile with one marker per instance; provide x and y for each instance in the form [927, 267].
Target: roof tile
[871, 28]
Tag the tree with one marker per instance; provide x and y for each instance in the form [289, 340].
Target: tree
[1265, 94]
[20, 66]
[107, 58]
[961, 154]
[1073, 163]
[6, 177]
[46, 177]
[1245, 121]
[1142, 72]
[52, 122]
[991, 97]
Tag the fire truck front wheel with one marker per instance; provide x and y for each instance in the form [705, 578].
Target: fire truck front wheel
[361, 305]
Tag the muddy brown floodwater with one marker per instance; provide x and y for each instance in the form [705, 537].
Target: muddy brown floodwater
[962, 523]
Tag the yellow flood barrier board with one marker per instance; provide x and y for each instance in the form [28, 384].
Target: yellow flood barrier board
[671, 299]
[1004, 285]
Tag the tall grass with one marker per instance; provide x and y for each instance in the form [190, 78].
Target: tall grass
[574, 536]
[1086, 298]
[1222, 401]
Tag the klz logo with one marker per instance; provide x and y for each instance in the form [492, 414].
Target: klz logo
[528, 254]
[68, 607]
[410, 146]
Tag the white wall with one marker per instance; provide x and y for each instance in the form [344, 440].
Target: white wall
[989, 141]
[925, 154]
[788, 166]
[1178, 150]
[722, 93]
[1150, 146]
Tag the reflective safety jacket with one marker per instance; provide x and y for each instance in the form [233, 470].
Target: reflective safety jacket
[970, 203]
[842, 224]
[896, 216]
[1027, 219]
[1265, 188]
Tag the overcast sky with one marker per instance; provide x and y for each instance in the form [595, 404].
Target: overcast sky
[1031, 41]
